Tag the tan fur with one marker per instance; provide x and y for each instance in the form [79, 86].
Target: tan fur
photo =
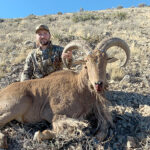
[63, 93]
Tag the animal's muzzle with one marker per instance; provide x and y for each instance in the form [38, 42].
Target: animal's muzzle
[99, 86]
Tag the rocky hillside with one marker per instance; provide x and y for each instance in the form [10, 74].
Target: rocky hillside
[129, 88]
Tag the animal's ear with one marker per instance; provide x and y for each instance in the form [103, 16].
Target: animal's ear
[112, 59]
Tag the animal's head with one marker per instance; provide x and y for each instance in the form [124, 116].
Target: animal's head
[95, 66]
[96, 60]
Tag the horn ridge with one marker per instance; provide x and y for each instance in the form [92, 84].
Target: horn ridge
[76, 44]
[108, 43]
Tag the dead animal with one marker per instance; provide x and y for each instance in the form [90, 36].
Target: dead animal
[64, 94]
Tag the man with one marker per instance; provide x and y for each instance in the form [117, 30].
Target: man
[46, 58]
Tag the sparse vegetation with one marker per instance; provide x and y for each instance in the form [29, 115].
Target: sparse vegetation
[1, 20]
[81, 9]
[117, 74]
[119, 7]
[51, 19]
[31, 16]
[114, 15]
[2, 74]
[129, 100]
[142, 5]
[120, 15]
[57, 36]
[20, 58]
[4, 69]
[83, 17]
[59, 13]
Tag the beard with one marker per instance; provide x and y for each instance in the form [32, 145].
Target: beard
[44, 42]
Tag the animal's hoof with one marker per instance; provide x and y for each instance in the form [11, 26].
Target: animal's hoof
[37, 136]
[45, 135]
[3, 141]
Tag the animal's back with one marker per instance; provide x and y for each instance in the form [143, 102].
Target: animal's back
[66, 96]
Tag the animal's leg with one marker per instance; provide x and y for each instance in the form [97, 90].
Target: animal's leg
[104, 118]
[60, 124]
[5, 118]
[14, 109]
[10, 110]
[102, 133]
[46, 113]
[44, 135]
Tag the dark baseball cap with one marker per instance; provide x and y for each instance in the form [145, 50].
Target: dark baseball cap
[42, 27]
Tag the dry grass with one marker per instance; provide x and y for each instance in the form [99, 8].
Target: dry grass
[132, 25]
[2, 74]
[21, 137]
[115, 72]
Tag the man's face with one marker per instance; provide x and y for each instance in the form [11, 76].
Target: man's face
[43, 37]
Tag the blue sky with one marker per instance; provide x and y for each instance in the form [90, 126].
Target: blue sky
[23, 8]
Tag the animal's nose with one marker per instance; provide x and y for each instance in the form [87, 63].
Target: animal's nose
[100, 83]
[99, 86]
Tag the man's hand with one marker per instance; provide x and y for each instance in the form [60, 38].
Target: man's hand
[67, 55]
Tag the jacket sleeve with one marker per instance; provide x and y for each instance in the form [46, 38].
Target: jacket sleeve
[28, 69]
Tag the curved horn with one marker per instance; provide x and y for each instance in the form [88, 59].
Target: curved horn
[108, 43]
[77, 44]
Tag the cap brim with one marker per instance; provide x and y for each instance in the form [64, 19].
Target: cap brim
[42, 29]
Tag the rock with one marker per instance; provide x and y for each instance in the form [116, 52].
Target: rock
[145, 82]
[110, 23]
[144, 110]
[126, 79]
[131, 142]
[100, 147]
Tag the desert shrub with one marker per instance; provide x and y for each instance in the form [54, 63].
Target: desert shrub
[57, 36]
[84, 17]
[67, 17]
[17, 20]
[59, 13]
[2, 74]
[115, 15]
[142, 5]
[51, 19]
[20, 58]
[81, 9]
[31, 16]
[5, 68]
[1, 20]
[119, 7]
[120, 15]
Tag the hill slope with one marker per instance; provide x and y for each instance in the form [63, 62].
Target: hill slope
[129, 92]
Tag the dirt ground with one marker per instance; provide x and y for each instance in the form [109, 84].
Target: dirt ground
[129, 95]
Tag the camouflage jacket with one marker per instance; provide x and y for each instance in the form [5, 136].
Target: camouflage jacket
[40, 63]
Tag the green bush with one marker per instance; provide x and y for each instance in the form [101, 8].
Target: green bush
[84, 17]
[112, 16]
[120, 15]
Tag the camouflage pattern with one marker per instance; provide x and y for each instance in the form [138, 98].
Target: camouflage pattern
[39, 63]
